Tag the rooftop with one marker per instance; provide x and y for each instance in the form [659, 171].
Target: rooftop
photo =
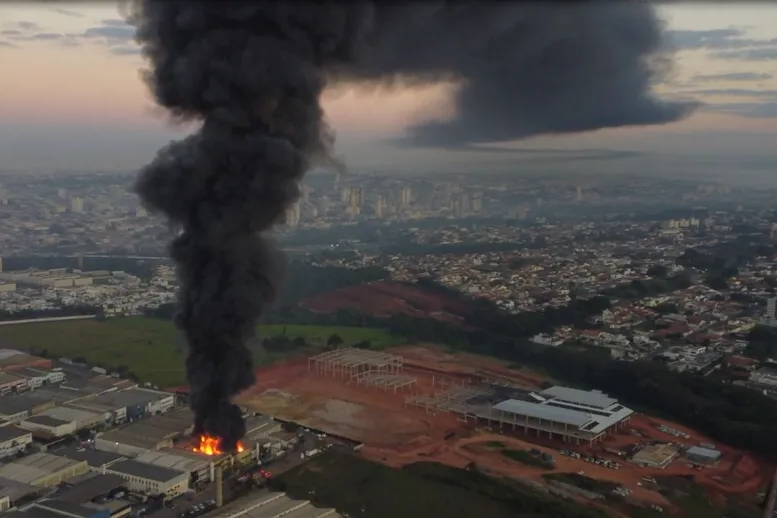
[63, 507]
[91, 488]
[538, 411]
[9, 433]
[15, 490]
[29, 469]
[698, 451]
[46, 420]
[178, 460]
[93, 458]
[592, 398]
[141, 469]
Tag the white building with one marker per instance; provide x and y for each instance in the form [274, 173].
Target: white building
[49, 425]
[150, 479]
[13, 440]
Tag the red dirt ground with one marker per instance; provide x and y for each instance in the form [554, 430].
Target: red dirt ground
[388, 298]
[396, 435]
[467, 366]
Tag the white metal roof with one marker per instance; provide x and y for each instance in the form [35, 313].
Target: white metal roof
[172, 461]
[591, 398]
[539, 411]
[698, 451]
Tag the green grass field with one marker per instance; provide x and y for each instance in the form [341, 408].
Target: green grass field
[147, 346]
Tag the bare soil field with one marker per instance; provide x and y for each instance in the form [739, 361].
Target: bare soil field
[388, 298]
[397, 435]
[467, 366]
[737, 472]
[366, 414]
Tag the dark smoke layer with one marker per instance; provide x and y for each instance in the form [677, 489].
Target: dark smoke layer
[252, 73]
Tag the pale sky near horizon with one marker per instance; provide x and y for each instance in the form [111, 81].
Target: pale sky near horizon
[68, 103]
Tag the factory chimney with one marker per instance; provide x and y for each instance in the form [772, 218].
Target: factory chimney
[212, 472]
[219, 488]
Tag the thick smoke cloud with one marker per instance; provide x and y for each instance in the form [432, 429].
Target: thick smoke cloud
[252, 73]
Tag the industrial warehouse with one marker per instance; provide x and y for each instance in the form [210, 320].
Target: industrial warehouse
[562, 413]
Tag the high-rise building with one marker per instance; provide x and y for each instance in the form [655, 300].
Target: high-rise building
[579, 194]
[62, 193]
[293, 214]
[380, 206]
[405, 196]
[477, 202]
[355, 200]
[771, 308]
[77, 205]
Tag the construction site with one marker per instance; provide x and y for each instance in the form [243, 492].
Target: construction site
[411, 404]
[363, 367]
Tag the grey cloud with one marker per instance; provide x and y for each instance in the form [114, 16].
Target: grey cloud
[125, 51]
[68, 12]
[115, 23]
[757, 54]
[730, 38]
[45, 36]
[123, 34]
[737, 92]
[28, 26]
[8, 44]
[734, 76]
[764, 110]
[10, 32]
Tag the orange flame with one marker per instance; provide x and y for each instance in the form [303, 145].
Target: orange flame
[212, 446]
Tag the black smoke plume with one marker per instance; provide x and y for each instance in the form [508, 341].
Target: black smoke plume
[251, 75]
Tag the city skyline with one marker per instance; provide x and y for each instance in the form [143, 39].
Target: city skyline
[74, 98]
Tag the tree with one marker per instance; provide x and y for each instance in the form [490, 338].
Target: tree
[658, 270]
[334, 341]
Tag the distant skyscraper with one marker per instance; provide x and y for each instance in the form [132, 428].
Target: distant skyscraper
[477, 202]
[405, 196]
[293, 214]
[355, 200]
[61, 193]
[579, 195]
[77, 205]
[771, 308]
[380, 206]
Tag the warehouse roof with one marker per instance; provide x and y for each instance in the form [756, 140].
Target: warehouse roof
[707, 453]
[129, 397]
[179, 461]
[72, 414]
[71, 509]
[12, 405]
[592, 398]
[33, 467]
[94, 458]
[46, 420]
[143, 470]
[15, 490]
[9, 433]
[538, 411]
[91, 488]
[32, 512]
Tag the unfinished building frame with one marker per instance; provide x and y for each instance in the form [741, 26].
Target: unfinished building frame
[366, 368]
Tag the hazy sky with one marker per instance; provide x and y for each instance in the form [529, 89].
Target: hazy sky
[71, 98]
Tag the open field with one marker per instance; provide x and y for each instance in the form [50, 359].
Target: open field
[398, 436]
[147, 346]
[358, 487]
[388, 298]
